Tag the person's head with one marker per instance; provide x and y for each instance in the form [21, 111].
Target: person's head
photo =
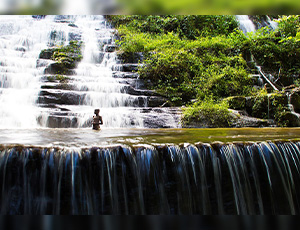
[97, 111]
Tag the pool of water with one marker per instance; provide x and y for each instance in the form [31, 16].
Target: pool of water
[87, 137]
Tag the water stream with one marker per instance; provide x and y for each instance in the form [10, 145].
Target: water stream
[29, 99]
[246, 25]
[212, 178]
[125, 168]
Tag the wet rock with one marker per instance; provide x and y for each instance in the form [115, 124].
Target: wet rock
[291, 119]
[237, 102]
[73, 25]
[240, 119]
[61, 98]
[156, 101]
[60, 68]
[105, 41]
[162, 117]
[126, 67]
[132, 91]
[265, 106]
[60, 86]
[295, 99]
[110, 48]
[42, 62]
[74, 36]
[39, 16]
[62, 122]
[125, 75]
[126, 57]
[46, 54]
[21, 48]
[64, 18]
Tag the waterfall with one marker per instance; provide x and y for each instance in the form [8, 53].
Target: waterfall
[272, 24]
[21, 40]
[217, 178]
[30, 98]
[246, 25]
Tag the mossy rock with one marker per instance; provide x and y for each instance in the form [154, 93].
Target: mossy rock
[266, 106]
[295, 99]
[62, 86]
[56, 78]
[236, 102]
[46, 54]
[58, 68]
[288, 119]
[65, 57]
[129, 57]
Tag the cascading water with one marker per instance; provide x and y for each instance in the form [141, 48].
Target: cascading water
[128, 171]
[253, 178]
[26, 88]
[246, 25]
[272, 23]
[21, 40]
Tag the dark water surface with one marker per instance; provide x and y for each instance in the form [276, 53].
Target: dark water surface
[88, 137]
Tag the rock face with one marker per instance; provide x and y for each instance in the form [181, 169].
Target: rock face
[295, 99]
[59, 91]
[241, 119]
[268, 110]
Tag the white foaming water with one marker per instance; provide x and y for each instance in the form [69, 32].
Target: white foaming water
[246, 25]
[29, 100]
[272, 23]
[94, 76]
[21, 39]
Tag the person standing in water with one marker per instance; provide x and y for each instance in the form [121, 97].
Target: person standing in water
[97, 120]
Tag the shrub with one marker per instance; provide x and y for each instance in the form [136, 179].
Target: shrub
[209, 113]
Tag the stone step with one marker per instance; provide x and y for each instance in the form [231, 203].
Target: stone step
[128, 67]
[120, 74]
[110, 48]
[153, 118]
[142, 92]
[60, 98]
[60, 121]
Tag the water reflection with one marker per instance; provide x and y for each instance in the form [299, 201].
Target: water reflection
[88, 137]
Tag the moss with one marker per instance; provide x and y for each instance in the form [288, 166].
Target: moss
[65, 57]
[236, 102]
[59, 77]
[208, 113]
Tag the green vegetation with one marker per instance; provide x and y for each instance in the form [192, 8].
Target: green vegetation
[192, 58]
[208, 113]
[58, 77]
[65, 57]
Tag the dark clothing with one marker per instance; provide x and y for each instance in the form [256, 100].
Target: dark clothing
[97, 121]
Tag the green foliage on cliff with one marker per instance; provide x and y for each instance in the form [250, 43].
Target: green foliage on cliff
[187, 57]
[198, 57]
[208, 113]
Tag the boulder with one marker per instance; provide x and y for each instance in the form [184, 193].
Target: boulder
[110, 48]
[61, 98]
[62, 122]
[157, 101]
[126, 67]
[240, 119]
[46, 54]
[58, 68]
[237, 102]
[130, 57]
[291, 119]
[125, 75]
[295, 99]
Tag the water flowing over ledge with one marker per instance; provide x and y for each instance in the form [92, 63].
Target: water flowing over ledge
[138, 177]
